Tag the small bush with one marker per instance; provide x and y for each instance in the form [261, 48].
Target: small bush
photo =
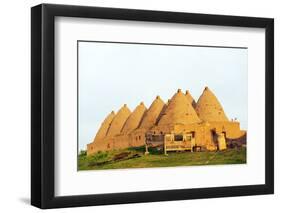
[99, 156]
[82, 153]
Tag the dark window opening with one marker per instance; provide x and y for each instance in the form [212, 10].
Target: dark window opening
[178, 137]
[193, 134]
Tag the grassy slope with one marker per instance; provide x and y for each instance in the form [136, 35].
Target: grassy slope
[157, 159]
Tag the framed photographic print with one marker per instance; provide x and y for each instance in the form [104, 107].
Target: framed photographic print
[139, 106]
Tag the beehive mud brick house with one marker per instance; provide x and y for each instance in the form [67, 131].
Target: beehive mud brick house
[181, 123]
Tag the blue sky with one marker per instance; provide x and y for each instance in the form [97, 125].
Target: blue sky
[112, 74]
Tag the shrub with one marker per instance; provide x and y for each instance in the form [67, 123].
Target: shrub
[82, 153]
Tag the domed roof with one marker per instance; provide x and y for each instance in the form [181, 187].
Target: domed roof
[104, 126]
[134, 119]
[179, 111]
[190, 99]
[152, 114]
[209, 108]
[118, 121]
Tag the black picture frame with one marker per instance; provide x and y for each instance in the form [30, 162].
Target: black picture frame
[43, 110]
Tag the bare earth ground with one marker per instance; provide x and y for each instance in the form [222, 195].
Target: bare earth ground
[135, 158]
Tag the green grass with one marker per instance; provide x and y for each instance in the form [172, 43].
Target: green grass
[105, 160]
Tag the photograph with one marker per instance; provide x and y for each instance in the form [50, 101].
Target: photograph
[133, 105]
[147, 105]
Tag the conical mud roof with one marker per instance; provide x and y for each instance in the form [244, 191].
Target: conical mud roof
[104, 126]
[190, 99]
[152, 114]
[118, 121]
[134, 119]
[209, 108]
[179, 111]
